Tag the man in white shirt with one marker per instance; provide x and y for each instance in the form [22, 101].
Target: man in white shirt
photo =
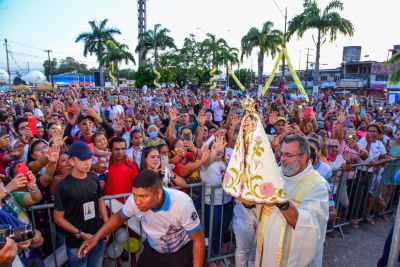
[174, 234]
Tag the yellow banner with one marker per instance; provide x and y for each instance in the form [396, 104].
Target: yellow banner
[213, 78]
[112, 76]
[158, 76]
[271, 77]
[294, 74]
[235, 78]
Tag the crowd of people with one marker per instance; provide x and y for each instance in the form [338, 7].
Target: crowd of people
[82, 144]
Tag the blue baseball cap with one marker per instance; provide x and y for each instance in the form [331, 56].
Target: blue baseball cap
[80, 150]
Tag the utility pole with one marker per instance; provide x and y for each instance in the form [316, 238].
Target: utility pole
[8, 64]
[27, 65]
[142, 18]
[306, 71]
[48, 56]
[284, 44]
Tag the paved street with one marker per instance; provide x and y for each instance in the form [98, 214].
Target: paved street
[361, 247]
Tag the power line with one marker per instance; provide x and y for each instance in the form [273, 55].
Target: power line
[280, 10]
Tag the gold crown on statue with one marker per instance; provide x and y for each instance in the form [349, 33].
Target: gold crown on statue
[249, 104]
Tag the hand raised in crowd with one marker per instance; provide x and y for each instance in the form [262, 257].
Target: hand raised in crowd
[32, 180]
[352, 144]
[235, 119]
[204, 154]
[173, 114]
[342, 117]
[5, 141]
[53, 154]
[19, 181]
[27, 136]
[201, 119]
[118, 124]
[191, 111]
[189, 145]
[220, 143]
[273, 117]
[58, 138]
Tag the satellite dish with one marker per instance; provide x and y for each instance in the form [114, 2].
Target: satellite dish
[4, 77]
[36, 77]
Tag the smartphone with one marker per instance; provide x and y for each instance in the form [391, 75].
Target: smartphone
[186, 136]
[351, 137]
[308, 112]
[32, 125]
[110, 98]
[164, 161]
[23, 169]
[3, 131]
[153, 105]
[130, 110]
[239, 111]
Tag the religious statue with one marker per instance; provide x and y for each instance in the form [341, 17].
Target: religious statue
[253, 175]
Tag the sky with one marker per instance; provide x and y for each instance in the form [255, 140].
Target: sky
[31, 26]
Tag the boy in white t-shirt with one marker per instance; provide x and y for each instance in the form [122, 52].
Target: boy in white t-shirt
[174, 234]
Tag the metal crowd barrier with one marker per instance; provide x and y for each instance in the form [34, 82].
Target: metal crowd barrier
[357, 194]
[361, 192]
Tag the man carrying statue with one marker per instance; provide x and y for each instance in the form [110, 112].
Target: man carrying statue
[291, 201]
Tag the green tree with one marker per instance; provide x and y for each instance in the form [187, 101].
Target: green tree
[18, 80]
[127, 74]
[116, 54]
[144, 76]
[95, 41]
[228, 57]
[267, 41]
[245, 76]
[327, 22]
[155, 39]
[69, 64]
[395, 76]
[214, 47]
[47, 65]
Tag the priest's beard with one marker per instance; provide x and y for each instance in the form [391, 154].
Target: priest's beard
[290, 169]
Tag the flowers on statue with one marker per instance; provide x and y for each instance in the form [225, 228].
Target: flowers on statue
[227, 178]
[267, 189]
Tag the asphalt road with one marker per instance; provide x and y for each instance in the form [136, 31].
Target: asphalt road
[360, 247]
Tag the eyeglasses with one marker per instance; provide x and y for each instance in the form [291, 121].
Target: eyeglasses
[128, 121]
[23, 128]
[41, 149]
[332, 146]
[286, 155]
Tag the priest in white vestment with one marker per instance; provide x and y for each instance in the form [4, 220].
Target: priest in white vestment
[293, 233]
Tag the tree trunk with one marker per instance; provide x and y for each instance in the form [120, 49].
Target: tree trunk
[101, 75]
[318, 51]
[260, 67]
[227, 78]
[99, 57]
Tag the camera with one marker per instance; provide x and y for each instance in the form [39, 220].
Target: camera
[19, 233]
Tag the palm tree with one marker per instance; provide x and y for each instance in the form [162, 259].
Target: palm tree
[267, 40]
[395, 76]
[212, 45]
[155, 39]
[328, 23]
[228, 57]
[95, 41]
[115, 54]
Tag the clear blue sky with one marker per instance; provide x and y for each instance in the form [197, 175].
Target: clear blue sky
[34, 25]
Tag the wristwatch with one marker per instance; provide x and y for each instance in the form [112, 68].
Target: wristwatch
[78, 234]
[283, 206]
